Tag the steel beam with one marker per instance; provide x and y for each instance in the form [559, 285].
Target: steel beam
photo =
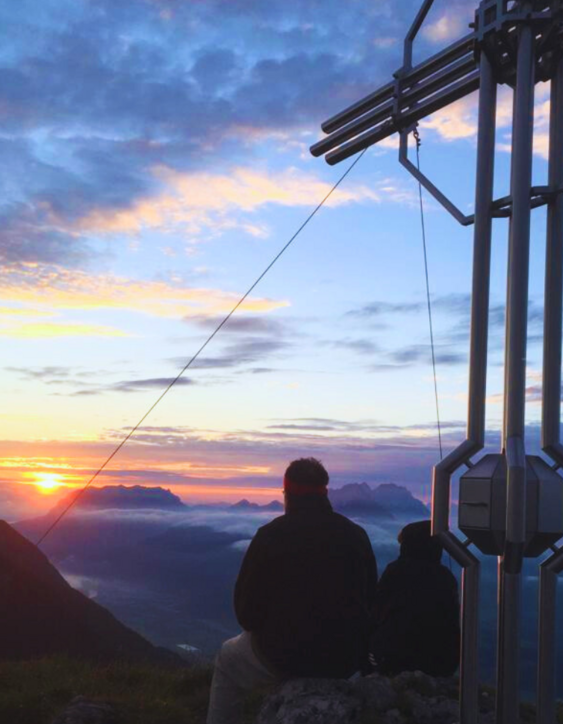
[419, 73]
[384, 111]
[453, 93]
[468, 668]
[546, 693]
[553, 297]
[551, 397]
[515, 381]
[478, 348]
[482, 235]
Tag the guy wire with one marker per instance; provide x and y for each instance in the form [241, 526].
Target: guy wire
[200, 350]
[428, 300]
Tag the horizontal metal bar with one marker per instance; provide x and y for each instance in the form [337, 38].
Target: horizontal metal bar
[440, 60]
[453, 93]
[386, 92]
[538, 201]
[502, 202]
[357, 109]
[373, 118]
[540, 196]
[440, 80]
[383, 111]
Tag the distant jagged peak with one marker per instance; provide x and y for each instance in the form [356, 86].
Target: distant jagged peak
[352, 491]
[273, 505]
[245, 504]
[400, 499]
[124, 497]
[387, 496]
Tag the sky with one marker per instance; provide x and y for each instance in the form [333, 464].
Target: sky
[154, 160]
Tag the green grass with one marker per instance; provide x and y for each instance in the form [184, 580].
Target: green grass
[34, 692]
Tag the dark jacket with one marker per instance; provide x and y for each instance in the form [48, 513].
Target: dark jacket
[417, 614]
[305, 590]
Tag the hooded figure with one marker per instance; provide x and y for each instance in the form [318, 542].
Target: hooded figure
[417, 609]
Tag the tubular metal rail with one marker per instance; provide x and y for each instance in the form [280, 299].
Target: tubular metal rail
[519, 43]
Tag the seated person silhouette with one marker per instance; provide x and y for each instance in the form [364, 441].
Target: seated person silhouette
[417, 609]
[304, 596]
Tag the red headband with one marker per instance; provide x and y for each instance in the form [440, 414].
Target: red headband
[294, 489]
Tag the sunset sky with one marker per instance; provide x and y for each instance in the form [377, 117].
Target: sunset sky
[154, 160]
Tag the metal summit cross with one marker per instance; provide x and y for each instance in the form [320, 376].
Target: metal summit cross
[511, 504]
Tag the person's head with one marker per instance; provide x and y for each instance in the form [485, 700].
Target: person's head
[306, 476]
[417, 542]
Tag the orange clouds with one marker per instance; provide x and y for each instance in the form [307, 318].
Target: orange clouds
[459, 120]
[197, 201]
[55, 288]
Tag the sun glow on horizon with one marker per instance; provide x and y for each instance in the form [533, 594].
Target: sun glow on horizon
[48, 482]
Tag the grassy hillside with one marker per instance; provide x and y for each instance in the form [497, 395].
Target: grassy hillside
[34, 692]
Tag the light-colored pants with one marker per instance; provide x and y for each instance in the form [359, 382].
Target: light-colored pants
[237, 671]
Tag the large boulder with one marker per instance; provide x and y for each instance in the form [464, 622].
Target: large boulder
[410, 698]
[376, 692]
[312, 701]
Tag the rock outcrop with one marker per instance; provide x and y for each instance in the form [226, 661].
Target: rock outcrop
[312, 701]
[410, 698]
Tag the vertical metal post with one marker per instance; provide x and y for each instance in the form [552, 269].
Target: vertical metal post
[553, 298]
[546, 638]
[482, 254]
[469, 664]
[468, 668]
[478, 348]
[551, 397]
[515, 389]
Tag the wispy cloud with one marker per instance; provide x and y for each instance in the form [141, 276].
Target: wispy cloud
[202, 200]
[446, 28]
[133, 385]
[56, 288]
[48, 330]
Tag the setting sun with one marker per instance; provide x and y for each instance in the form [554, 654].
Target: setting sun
[48, 482]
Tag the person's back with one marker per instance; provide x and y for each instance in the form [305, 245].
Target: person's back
[303, 597]
[305, 590]
[417, 609]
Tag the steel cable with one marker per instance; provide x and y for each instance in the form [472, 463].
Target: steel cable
[200, 350]
[428, 300]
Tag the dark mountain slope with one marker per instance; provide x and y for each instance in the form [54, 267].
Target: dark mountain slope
[41, 614]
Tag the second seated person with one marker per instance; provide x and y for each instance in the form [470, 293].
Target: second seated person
[417, 609]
